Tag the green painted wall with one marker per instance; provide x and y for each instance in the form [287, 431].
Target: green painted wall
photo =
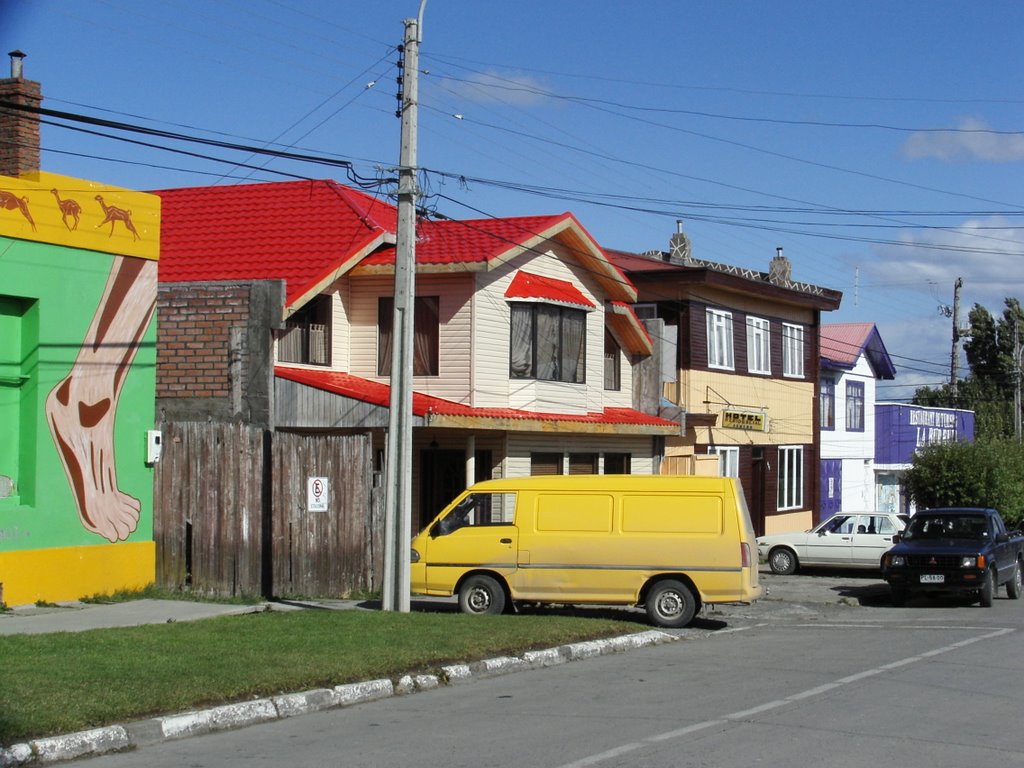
[48, 297]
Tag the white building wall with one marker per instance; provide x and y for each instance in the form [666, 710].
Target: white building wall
[521, 445]
[453, 381]
[855, 449]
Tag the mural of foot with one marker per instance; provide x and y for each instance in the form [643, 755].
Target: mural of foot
[81, 422]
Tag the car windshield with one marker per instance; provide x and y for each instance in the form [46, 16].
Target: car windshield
[925, 526]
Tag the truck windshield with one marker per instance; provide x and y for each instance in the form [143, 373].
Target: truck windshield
[925, 526]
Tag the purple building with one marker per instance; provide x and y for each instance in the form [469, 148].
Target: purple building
[900, 430]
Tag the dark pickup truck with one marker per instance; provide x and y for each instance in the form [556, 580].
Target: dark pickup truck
[961, 550]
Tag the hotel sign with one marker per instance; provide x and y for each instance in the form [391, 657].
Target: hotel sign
[752, 421]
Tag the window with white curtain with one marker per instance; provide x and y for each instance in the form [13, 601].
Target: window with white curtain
[426, 335]
[548, 342]
[758, 346]
[792, 350]
[720, 351]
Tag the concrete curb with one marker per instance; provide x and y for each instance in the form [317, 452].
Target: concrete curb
[118, 738]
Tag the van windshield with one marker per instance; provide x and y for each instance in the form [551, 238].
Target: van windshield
[477, 509]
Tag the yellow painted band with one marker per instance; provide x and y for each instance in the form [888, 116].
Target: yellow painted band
[70, 573]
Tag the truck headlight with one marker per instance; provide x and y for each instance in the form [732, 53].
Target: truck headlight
[897, 561]
[414, 556]
[972, 561]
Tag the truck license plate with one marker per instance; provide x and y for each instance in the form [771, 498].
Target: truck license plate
[932, 578]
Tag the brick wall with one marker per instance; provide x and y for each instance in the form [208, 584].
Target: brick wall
[193, 348]
[214, 350]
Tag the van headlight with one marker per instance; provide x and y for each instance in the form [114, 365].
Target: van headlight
[414, 556]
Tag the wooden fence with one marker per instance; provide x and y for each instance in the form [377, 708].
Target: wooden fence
[231, 515]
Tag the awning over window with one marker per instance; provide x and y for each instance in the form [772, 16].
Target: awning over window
[526, 286]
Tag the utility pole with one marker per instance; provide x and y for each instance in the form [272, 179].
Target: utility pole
[398, 508]
[1016, 374]
[954, 365]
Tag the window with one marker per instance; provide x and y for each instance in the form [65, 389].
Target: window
[426, 330]
[19, 385]
[792, 350]
[855, 406]
[307, 334]
[617, 464]
[582, 463]
[720, 354]
[612, 356]
[758, 348]
[546, 464]
[827, 403]
[548, 343]
[791, 477]
[478, 509]
[728, 460]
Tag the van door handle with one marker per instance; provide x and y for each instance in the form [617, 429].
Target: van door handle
[505, 541]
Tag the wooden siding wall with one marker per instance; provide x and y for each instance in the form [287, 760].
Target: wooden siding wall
[231, 519]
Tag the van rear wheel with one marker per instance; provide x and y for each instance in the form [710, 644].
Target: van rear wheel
[481, 595]
[670, 604]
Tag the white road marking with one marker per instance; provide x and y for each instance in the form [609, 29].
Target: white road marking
[678, 733]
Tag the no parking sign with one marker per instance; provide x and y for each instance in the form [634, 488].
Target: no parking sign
[318, 492]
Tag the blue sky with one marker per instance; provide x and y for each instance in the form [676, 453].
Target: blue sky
[879, 143]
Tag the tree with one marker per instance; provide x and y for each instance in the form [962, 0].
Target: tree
[989, 473]
[989, 387]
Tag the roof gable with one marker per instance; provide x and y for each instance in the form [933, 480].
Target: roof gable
[842, 345]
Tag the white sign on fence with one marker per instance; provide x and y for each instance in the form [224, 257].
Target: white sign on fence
[318, 492]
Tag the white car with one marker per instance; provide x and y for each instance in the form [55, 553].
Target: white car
[846, 540]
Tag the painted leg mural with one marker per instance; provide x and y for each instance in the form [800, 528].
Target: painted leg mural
[81, 408]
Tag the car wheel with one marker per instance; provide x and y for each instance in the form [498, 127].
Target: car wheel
[988, 589]
[481, 595]
[670, 604]
[899, 596]
[782, 561]
[1015, 586]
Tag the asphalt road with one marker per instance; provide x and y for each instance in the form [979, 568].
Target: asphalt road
[823, 670]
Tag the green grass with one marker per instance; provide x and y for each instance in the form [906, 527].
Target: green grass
[65, 682]
[153, 592]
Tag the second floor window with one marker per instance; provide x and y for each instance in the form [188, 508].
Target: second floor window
[548, 343]
[307, 334]
[792, 350]
[758, 346]
[426, 321]
[855, 406]
[720, 352]
[828, 403]
[612, 356]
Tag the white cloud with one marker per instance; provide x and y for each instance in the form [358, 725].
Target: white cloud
[497, 88]
[970, 141]
[985, 253]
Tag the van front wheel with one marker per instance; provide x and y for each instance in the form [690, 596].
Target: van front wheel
[670, 604]
[481, 595]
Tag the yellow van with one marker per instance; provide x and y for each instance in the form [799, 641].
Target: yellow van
[670, 543]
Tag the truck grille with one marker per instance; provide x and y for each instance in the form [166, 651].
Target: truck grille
[925, 562]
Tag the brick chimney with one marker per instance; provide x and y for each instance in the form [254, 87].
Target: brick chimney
[19, 131]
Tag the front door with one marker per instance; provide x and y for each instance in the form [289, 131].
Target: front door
[831, 489]
[442, 478]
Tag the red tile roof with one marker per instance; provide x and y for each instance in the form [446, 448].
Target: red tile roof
[377, 393]
[526, 285]
[303, 232]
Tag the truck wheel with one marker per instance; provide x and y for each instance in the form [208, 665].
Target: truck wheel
[670, 604]
[1015, 586]
[481, 595]
[988, 589]
[782, 561]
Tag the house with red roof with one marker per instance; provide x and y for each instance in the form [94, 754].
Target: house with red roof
[276, 304]
[744, 376]
[853, 359]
